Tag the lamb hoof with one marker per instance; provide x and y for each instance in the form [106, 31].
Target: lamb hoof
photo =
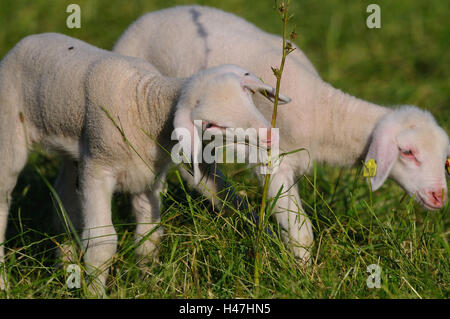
[303, 256]
[96, 289]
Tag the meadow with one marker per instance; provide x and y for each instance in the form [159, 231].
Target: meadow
[209, 254]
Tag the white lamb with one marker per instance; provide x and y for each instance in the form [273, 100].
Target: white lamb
[334, 127]
[65, 94]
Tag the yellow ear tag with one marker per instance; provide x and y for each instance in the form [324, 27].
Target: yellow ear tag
[447, 166]
[370, 168]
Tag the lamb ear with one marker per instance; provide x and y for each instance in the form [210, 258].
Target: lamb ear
[254, 84]
[188, 133]
[384, 151]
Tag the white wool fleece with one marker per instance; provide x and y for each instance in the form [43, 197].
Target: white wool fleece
[334, 127]
[97, 108]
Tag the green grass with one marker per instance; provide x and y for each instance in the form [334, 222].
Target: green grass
[210, 255]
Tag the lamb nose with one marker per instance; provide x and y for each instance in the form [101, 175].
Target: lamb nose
[437, 198]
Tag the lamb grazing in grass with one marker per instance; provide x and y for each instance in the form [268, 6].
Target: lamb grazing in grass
[97, 107]
[334, 127]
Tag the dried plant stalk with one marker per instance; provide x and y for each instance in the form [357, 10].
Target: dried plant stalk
[287, 48]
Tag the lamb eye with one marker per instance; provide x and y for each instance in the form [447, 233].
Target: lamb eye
[410, 156]
[407, 152]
